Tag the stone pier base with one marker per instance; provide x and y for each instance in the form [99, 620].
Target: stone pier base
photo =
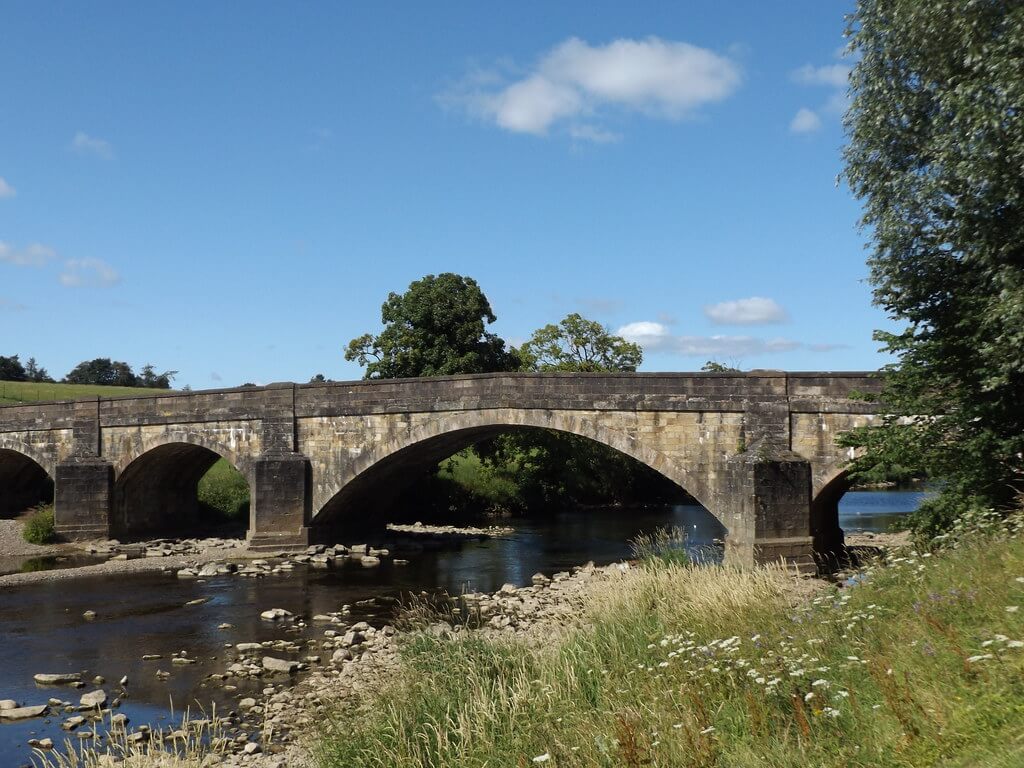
[82, 498]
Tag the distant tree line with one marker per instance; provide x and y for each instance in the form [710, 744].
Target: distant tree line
[101, 370]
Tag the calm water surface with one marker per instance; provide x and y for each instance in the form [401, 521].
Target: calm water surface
[42, 629]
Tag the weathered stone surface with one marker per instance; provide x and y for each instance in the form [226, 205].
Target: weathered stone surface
[313, 453]
[94, 699]
[61, 678]
[23, 713]
[272, 664]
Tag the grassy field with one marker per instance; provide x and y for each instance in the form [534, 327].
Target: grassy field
[920, 665]
[30, 392]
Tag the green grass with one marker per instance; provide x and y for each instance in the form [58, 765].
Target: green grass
[921, 665]
[224, 491]
[30, 392]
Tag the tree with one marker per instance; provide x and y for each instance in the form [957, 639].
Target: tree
[436, 328]
[713, 366]
[11, 369]
[150, 378]
[104, 371]
[33, 372]
[936, 141]
[578, 344]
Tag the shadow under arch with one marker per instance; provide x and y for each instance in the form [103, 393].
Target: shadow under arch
[158, 491]
[828, 536]
[24, 483]
[379, 477]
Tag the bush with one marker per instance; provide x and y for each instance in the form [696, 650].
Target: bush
[39, 528]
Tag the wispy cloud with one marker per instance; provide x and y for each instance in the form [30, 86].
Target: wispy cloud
[574, 83]
[756, 310]
[805, 121]
[10, 305]
[653, 336]
[33, 255]
[833, 76]
[6, 190]
[85, 144]
[88, 272]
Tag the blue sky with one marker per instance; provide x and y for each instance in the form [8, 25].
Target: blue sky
[232, 190]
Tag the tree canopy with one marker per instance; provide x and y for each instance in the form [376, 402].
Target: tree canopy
[107, 372]
[438, 327]
[578, 344]
[935, 152]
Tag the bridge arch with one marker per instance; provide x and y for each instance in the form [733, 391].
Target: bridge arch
[24, 480]
[157, 490]
[387, 466]
[222, 442]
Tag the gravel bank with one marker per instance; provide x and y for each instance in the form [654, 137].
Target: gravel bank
[13, 545]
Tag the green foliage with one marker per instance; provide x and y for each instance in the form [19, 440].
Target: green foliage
[671, 665]
[665, 545]
[936, 138]
[578, 344]
[11, 369]
[713, 366]
[224, 492]
[106, 372]
[39, 527]
[436, 328]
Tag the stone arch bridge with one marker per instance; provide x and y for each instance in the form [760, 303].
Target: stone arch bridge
[757, 449]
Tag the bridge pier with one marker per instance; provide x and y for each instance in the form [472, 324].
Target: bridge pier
[280, 508]
[83, 491]
[766, 494]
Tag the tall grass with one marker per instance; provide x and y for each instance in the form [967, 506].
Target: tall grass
[923, 664]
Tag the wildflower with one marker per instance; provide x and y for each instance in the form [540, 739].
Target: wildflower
[709, 729]
[809, 696]
[1015, 644]
[677, 726]
[842, 694]
[1012, 608]
[820, 684]
[830, 712]
[542, 758]
[981, 657]
[1019, 579]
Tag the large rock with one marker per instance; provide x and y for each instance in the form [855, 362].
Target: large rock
[58, 679]
[276, 614]
[8, 704]
[94, 699]
[23, 713]
[280, 665]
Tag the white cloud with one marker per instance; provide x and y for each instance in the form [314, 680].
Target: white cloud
[834, 75]
[805, 121]
[6, 190]
[654, 336]
[88, 272]
[576, 80]
[85, 144]
[753, 311]
[33, 255]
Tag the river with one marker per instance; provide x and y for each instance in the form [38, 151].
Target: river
[42, 628]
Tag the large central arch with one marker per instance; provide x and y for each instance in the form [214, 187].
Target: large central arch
[388, 466]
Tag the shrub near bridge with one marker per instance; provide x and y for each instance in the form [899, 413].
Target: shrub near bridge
[39, 527]
[674, 665]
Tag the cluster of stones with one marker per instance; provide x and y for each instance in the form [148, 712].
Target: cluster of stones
[451, 531]
[316, 556]
[115, 550]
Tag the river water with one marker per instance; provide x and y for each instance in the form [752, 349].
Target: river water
[42, 628]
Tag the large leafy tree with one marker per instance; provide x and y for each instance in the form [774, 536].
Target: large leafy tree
[11, 369]
[438, 327]
[103, 370]
[578, 344]
[936, 151]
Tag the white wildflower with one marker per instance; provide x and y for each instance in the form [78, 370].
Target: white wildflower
[809, 696]
[542, 758]
[709, 729]
[980, 657]
[1015, 644]
[1012, 608]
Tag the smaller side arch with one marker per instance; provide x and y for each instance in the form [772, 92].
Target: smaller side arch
[132, 446]
[157, 491]
[24, 482]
